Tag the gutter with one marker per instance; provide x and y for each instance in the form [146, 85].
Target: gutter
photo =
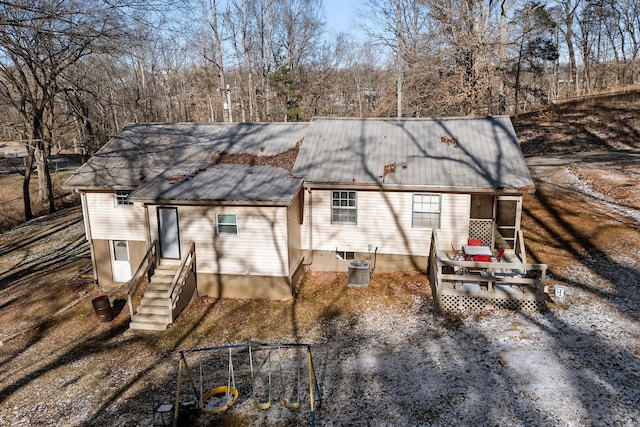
[87, 231]
[419, 188]
[306, 264]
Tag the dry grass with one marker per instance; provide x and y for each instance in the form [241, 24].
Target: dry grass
[12, 204]
[116, 375]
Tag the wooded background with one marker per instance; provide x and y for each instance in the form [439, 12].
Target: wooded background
[73, 72]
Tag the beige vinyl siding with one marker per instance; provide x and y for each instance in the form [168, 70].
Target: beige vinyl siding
[454, 222]
[259, 248]
[293, 234]
[110, 222]
[384, 221]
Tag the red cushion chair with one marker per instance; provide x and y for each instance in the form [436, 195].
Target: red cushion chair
[474, 242]
[482, 258]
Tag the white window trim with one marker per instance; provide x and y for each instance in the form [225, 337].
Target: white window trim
[121, 198]
[354, 208]
[414, 211]
[218, 224]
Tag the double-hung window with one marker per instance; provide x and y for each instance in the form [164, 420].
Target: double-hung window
[426, 210]
[227, 223]
[122, 198]
[344, 207]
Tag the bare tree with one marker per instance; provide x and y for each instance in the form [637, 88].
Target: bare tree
[533, 48]
[39, 46]
[568, 9]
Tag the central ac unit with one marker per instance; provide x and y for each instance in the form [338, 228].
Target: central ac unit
[359, 273]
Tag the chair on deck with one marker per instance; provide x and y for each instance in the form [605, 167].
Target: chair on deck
[482, 258]
[456, 255]
[474, 242]
[498, 258]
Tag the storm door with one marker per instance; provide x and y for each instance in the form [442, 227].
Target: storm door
[121, 264]
[168, 233]
[508, 210]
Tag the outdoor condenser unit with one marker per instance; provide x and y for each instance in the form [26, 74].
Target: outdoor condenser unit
[359, 273]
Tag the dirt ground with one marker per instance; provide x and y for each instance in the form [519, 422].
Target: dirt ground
[383, 355]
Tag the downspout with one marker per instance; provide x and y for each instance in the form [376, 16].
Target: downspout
[87, 232]
[147, 225]
[306, 264]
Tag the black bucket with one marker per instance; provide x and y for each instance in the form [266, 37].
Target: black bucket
[102, 307]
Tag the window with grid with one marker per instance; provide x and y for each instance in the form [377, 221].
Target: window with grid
[344, 207]
[122, 198]
[426, 210]
[227, 223]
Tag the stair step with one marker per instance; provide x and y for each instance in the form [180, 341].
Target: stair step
[156, 293]
[140, 317]
[148, 301]
[159, 286]
[162, 278]
[151, 309]
[144, 326]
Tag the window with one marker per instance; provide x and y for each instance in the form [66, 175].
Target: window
[426, 211]
[227, 223]
[344, 255]
[122, 198]
[344, 207]
[120, 250]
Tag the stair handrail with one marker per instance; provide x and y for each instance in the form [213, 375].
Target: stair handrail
[187, 264]
[150, 260]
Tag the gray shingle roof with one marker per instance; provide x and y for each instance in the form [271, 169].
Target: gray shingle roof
[142, 151]
[448, 154]
[221, 182]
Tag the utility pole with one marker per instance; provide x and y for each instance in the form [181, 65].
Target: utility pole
[227, 105]
[399, 52]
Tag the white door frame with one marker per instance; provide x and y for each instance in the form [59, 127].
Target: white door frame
[168, 232]
[120, 261]
[511, 240]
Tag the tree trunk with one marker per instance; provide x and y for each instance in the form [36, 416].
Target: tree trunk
[502, 103]
[26, 195]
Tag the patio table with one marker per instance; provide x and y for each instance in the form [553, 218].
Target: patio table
[476, 250]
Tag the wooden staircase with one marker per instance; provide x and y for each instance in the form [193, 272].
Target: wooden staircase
[154, 311]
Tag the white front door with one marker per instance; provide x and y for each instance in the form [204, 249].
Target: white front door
[121, 265]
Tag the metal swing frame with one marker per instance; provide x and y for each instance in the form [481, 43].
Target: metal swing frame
[230, 388]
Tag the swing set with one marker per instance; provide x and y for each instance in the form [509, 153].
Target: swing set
[220, 398]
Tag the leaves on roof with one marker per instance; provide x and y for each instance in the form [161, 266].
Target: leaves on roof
[453, 142]
[284, 160]
[184, 175]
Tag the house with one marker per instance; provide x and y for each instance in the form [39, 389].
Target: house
[401, 192]
[219, 195]
[241, 209]
[388, 183]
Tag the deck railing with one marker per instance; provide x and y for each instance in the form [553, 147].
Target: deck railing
[185, 270]
[449, 276]
[146, 267]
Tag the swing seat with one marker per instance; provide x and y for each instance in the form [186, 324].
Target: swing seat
[290, 406]
[262, 406]
[231, 396]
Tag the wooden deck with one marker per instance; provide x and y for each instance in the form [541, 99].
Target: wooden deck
[511, 284]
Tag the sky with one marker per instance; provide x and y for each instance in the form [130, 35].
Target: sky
[341, 15]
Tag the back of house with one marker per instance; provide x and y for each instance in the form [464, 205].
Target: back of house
[260, 202]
